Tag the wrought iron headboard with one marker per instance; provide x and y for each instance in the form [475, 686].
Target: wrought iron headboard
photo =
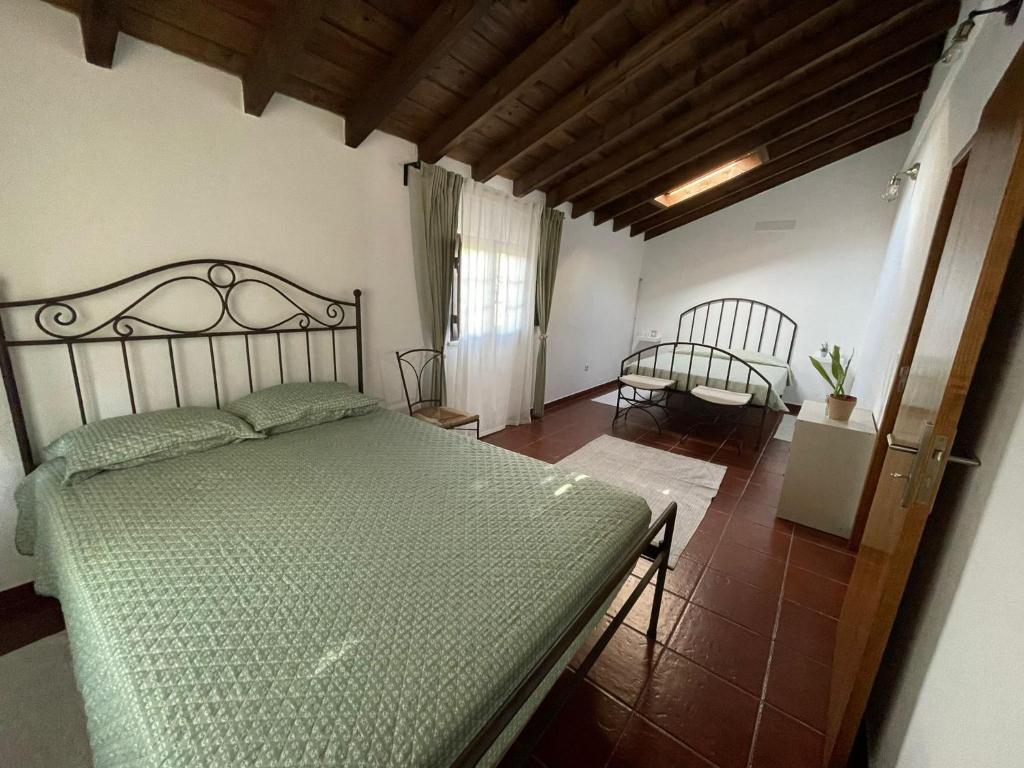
[739, 324]
[56, 321]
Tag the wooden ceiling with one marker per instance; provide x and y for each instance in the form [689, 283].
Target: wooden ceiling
[603, 103]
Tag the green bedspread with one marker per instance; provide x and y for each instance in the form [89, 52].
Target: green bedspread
[361, 593]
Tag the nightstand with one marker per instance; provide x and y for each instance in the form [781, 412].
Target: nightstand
[828, 462]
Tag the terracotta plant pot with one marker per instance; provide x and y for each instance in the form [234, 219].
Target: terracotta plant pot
[840, 408]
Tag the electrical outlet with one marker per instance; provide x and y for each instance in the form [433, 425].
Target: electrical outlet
[652, 333]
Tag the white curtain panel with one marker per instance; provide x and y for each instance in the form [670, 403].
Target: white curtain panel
[491, 369]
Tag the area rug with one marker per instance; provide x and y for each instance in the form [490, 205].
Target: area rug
[42, 722]
[785, 428]
[608, 398]
[658, 476]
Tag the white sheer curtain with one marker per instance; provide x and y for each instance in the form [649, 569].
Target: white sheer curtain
[492, 369]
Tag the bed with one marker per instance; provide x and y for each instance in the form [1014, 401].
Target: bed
[371, 591]
[727, 351]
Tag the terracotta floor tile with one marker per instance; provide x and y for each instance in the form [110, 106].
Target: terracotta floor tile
[816, 592]
[709, 715]
[782, 742]
[763, 514]
[644, 746]
[798, 685]
[732, 486]
[682, 579]
[666, 440]
[585, 732]
[773, 463]
[762, 494]
[701, 546]
[748, 565]
[740, 473]
[724, 503]
[697, 448]
[713, 522]
[827, 562]
[640, 614]
[821, 538]
[768, 541]
[625, 663]
[727, 649]
[807, 631]
[736, 600]
[766, 480]
[728, 456]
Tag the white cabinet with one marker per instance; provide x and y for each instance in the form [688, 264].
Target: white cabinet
[828, 461]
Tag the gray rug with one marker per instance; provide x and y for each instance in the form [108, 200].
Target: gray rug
[42, 723]
[659, 476]
[785, 428]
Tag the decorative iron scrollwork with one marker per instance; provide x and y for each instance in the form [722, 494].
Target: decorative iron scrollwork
[57, 316]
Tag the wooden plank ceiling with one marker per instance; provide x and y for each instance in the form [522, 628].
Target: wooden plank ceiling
[603, 103]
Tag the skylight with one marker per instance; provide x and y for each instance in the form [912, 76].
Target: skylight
[713, 178]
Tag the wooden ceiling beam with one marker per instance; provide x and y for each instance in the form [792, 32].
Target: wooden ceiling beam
[98, 19]
[907, 73]
[281, 46]
[666, 40]
[738, 37]
[571, 29]
[834, 156]
[449, 22]
[812, 137]
[768, 71]
[856, 137]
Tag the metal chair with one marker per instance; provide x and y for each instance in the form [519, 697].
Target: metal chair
[655, 399]
[417, 364]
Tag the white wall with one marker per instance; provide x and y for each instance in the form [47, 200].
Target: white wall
[950, 692]
[595, 300]
[823, 273]
[947, 120]
[107, 172]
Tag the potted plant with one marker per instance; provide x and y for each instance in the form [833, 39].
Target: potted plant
[839, 405]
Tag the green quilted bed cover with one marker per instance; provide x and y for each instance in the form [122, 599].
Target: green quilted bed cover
[361, 593]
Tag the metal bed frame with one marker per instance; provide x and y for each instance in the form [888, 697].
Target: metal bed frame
[59, 322]
[750, 320]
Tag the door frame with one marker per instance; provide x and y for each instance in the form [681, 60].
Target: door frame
[1003, 112]
[954, 183]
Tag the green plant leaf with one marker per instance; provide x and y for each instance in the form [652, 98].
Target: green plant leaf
[837, 366]
[821, 369]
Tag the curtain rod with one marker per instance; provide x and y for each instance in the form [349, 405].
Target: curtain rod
[405, 171]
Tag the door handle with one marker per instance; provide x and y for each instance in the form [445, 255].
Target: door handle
[964, 461]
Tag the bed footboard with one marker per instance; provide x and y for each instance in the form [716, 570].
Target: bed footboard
[658, 570]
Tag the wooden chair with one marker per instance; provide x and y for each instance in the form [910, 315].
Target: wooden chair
[429, 364]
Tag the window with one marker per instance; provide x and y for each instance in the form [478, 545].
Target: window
[456, 302]
[493, 283]
[713, 178]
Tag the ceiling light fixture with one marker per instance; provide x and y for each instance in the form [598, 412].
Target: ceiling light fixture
[713, 178]
[893, 190]
[1011, 10]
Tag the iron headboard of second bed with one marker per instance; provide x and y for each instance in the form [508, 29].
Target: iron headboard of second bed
[63, 321]
[739, 324]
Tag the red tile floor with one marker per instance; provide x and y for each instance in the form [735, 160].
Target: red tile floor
[740, 672]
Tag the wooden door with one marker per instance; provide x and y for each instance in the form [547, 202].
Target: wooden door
[985, 224]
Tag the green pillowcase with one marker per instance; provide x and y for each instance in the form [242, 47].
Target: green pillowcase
[286, 407]
[129, 441]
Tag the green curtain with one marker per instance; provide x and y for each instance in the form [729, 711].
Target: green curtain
[547, 265]
[434, 197]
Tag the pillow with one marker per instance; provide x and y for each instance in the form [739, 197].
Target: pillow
[286, 407]
[129, 441]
